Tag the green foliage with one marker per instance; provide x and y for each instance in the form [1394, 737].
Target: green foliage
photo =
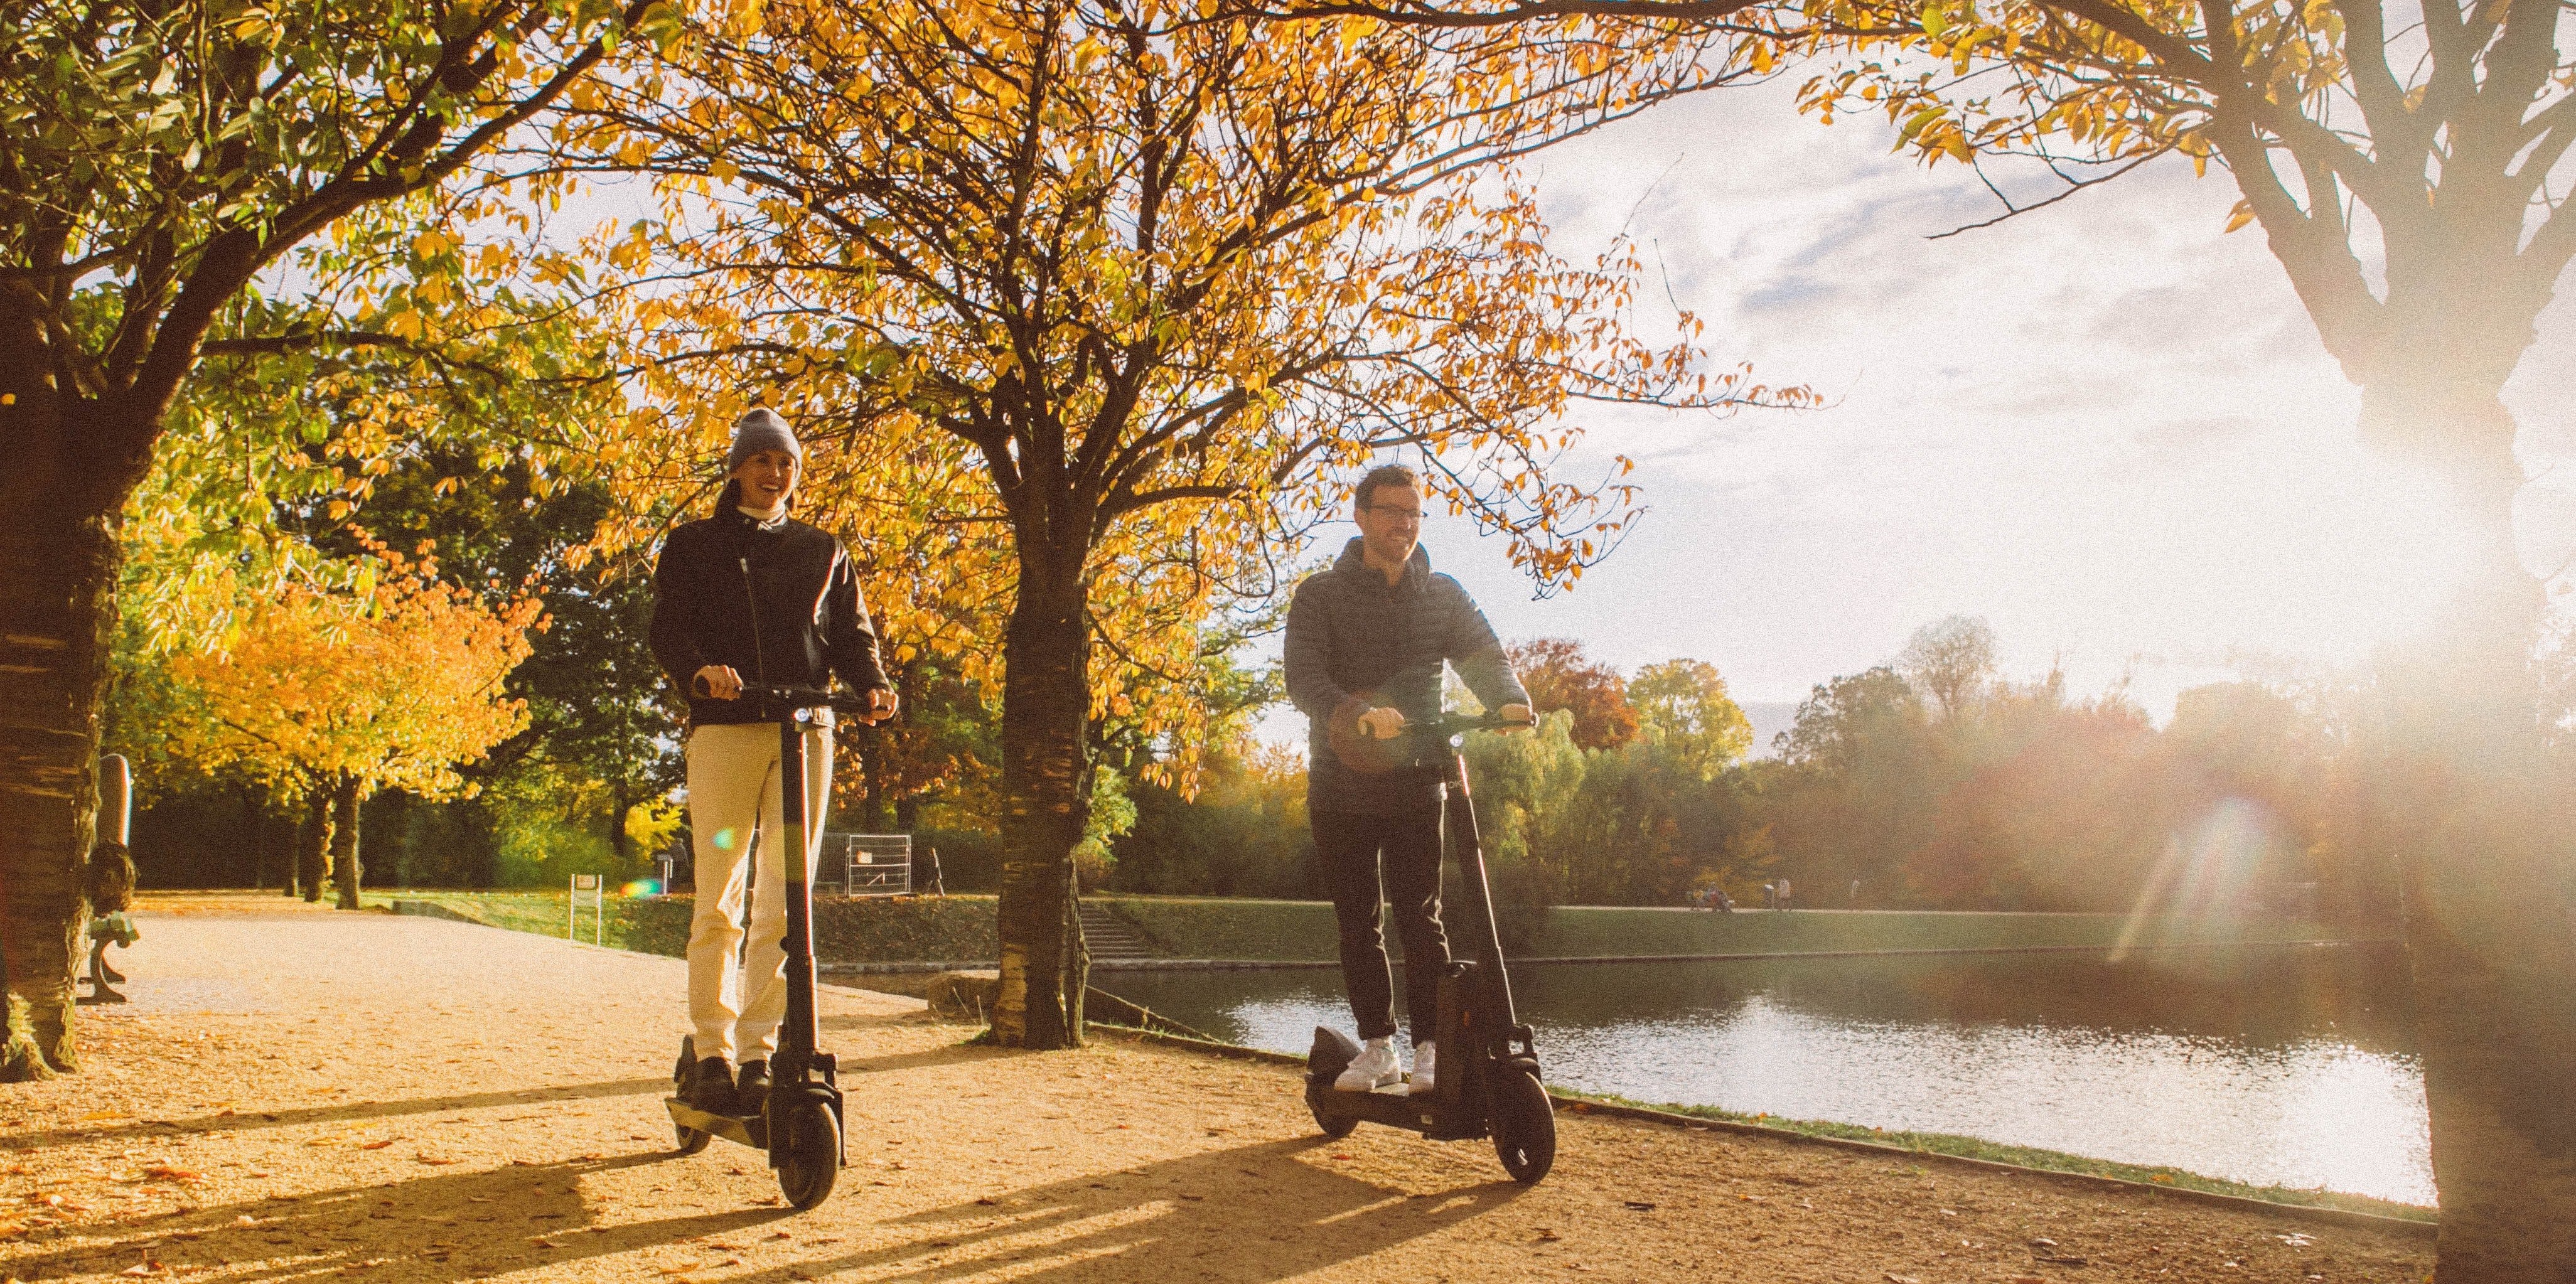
[1243, 834]
[1112, 814]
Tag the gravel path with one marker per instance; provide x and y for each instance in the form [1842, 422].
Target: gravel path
[299, 1093]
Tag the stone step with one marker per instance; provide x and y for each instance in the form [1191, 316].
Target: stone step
[1108, 938]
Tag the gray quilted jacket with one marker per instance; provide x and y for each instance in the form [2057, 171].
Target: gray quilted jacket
[1356, 641]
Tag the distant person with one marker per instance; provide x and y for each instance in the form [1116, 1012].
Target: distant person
[749, 594]
[1783, 902]
[1855, 893]
[1366, 642]
[1725, 903]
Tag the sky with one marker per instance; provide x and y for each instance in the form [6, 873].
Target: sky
[2107, 427]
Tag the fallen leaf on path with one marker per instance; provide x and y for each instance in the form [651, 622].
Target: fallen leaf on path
[1894, 1278]
[1548, 1235]
[245, 1220]
[546, 1243]
[164, 1172]
[433, 1160]
[379, 1145]
[96, 1116]
[987, 1201]
[1639, 1204]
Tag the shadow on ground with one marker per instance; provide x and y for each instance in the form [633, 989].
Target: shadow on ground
[438, 1227]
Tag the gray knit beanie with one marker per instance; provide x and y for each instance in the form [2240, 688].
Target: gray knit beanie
[761, 430]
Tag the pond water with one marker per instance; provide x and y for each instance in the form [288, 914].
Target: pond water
[2293, 1067]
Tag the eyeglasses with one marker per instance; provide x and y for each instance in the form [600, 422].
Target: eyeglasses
[1393, 514]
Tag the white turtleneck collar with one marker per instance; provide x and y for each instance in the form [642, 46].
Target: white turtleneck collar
[765, 517]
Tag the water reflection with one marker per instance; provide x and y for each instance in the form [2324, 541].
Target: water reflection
[2293, 1067]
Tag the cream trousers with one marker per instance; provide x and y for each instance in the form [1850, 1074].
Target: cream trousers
[735, 828]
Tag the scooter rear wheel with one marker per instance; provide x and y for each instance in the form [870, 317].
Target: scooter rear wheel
[689, 1140]
[812, 1159]
[1524, 1126]
[1334, 1127]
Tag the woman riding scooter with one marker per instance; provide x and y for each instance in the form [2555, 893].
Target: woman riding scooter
[749, 594]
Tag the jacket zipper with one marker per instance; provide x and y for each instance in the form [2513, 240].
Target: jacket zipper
[751, 596]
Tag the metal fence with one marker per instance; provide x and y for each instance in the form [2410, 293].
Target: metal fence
[864, 865]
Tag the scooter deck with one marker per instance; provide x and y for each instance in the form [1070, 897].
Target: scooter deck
[751, 1130]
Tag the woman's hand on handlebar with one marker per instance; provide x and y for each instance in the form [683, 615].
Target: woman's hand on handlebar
[717, 682]
[1381, 723]
[881, 705]
[1516, 717]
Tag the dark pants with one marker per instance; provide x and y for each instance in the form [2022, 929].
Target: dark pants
[1350, 847]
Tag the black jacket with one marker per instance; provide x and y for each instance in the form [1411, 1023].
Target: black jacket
[1355, 641]
[778, 603]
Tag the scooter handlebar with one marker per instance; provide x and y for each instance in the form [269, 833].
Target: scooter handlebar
[1449, 726]
[785, 700]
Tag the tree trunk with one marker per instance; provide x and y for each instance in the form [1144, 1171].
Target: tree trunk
[58, 573]
[1046, 700]
[617, 843]
[313, 853]
[255, 823]
[872, 811]
[2486, 870]
[345, 802]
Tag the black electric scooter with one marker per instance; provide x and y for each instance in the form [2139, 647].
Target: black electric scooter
[1488, 1082]
[801, 1123]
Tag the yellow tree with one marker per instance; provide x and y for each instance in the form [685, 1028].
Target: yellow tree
[328, 697]
[1110, 299]
[1687, 703]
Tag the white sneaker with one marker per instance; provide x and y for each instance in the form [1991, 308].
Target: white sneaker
[1422, 1066]
[1374, 1068]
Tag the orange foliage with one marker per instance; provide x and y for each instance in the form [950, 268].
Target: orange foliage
[390, 686]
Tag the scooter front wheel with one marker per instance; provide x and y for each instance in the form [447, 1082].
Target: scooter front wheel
[1524, 1126]
[812, 1159]
[1334, 1126]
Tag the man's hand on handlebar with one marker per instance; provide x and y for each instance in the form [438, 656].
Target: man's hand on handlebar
[719, 682]
[1516, 717]
[1381, 723]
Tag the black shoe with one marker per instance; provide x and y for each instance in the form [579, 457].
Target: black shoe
[711, 1087]
[751, 1087]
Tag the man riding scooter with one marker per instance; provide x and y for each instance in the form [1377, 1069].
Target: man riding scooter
[749, 594]
[1366, 642]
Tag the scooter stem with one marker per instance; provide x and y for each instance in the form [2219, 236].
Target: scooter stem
[1485, 939]
[798, 1035]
